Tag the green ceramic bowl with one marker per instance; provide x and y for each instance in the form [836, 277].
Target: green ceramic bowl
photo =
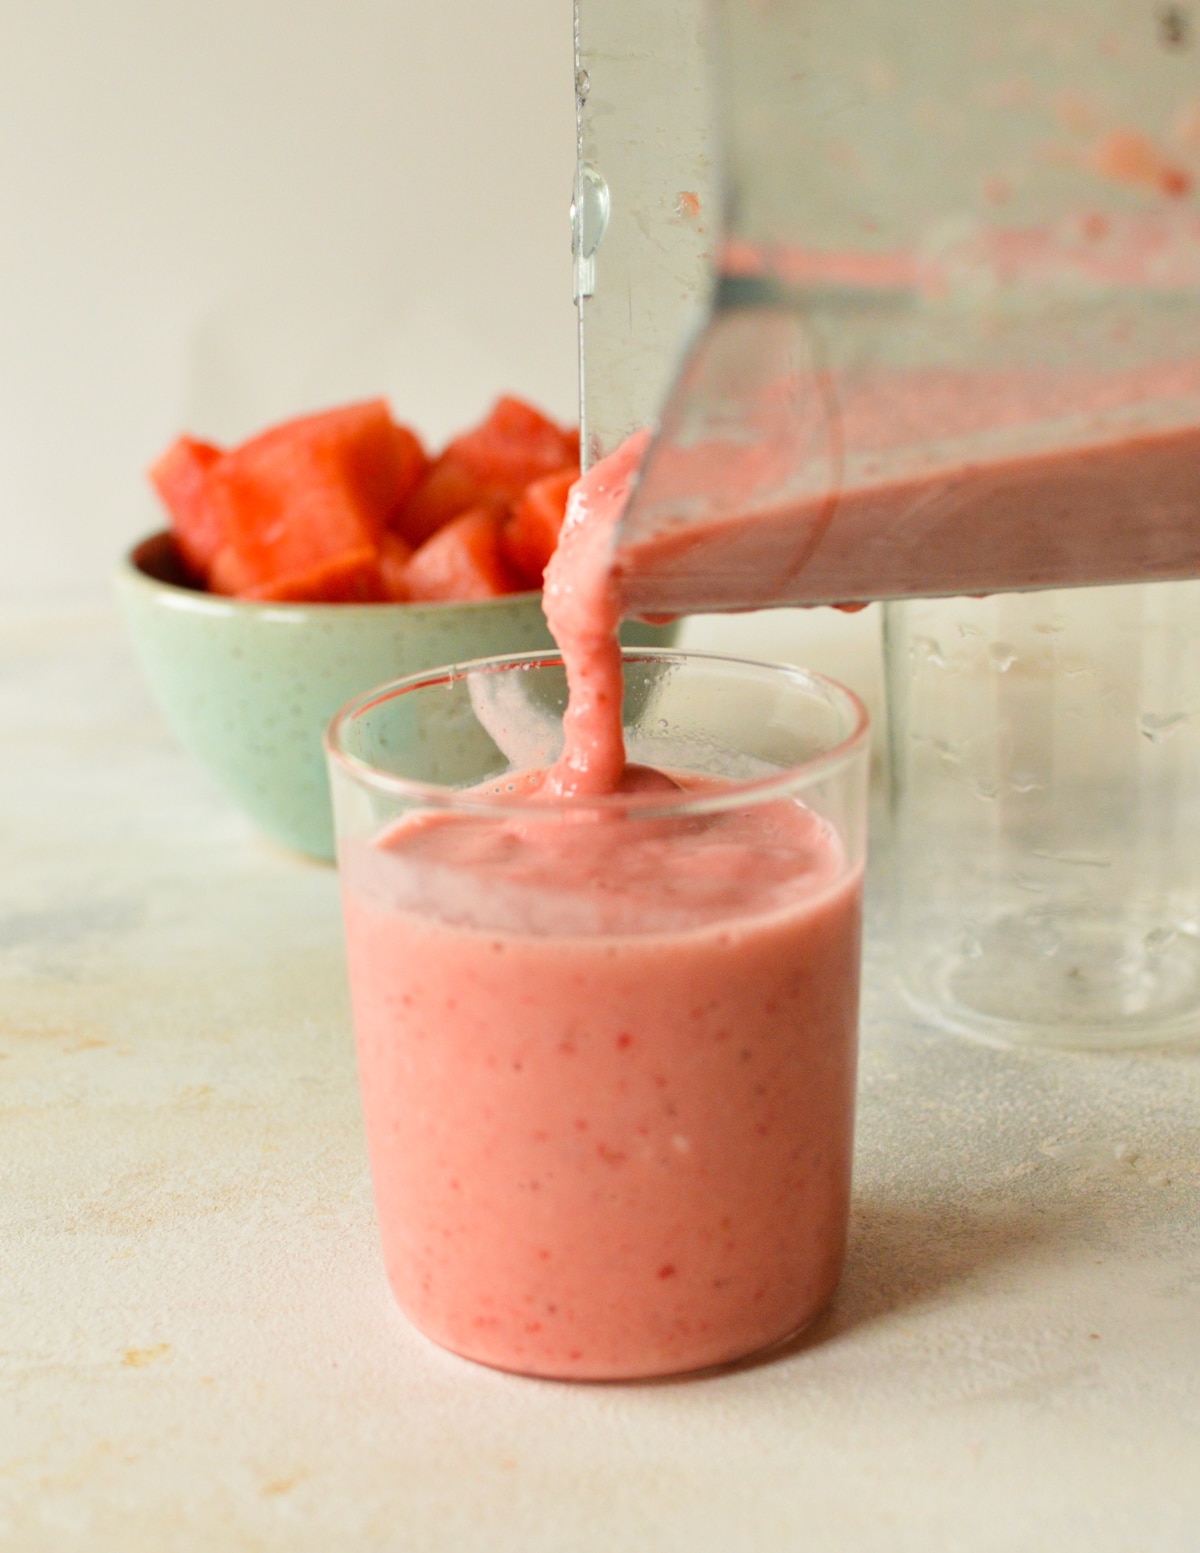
[248, 688]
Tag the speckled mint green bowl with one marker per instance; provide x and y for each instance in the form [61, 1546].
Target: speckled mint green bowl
[248, 688]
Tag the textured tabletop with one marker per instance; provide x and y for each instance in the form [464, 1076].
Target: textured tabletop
[197, 1348]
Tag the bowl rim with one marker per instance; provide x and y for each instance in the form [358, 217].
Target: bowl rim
[132, 569]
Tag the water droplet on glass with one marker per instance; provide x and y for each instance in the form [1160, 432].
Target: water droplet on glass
[1158, 727]
[1073, 859]
[589, 218]
[924, 649]
[949, 754]
[972, 949]
[1002, 656]
[966, 630]
[1025, 782]
[988, 791]
[583, 84]
[1157, 939]
[591, 209]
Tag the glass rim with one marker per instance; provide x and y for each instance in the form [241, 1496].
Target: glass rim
[736, 793]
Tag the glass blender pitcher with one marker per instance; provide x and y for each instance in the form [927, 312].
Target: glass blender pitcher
[948, 262]
[913, 296]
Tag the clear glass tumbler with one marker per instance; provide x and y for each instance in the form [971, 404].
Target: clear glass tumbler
[1046, 797]
[606, 1047]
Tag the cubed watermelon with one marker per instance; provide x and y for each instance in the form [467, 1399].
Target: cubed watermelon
[352, 578]
[531, 532]
[463, 560]
[345, 505]
[309, 492]
[180, 477]
[514, 446]
[394, 556]
[447, 489]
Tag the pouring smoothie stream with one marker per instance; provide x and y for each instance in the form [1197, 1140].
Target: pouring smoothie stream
[606, 1008]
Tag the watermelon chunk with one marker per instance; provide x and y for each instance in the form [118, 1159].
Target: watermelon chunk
[180, 477]
[394, 556]
[512, 447]
[307, 493]
[344, 505]
[353, 578]
[463, 560]
[448, 489]
[531, 533]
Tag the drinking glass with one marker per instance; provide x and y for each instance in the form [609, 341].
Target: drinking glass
[606, 1046]
[1045, 780]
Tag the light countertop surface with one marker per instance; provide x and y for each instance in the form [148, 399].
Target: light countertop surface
[197, 1347]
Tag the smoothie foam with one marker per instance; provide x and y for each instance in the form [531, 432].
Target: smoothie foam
[608, 1083]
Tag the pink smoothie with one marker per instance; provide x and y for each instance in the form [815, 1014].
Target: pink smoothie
[583, 607]
[1069, 454]
[608, 1075]
[931, 481]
